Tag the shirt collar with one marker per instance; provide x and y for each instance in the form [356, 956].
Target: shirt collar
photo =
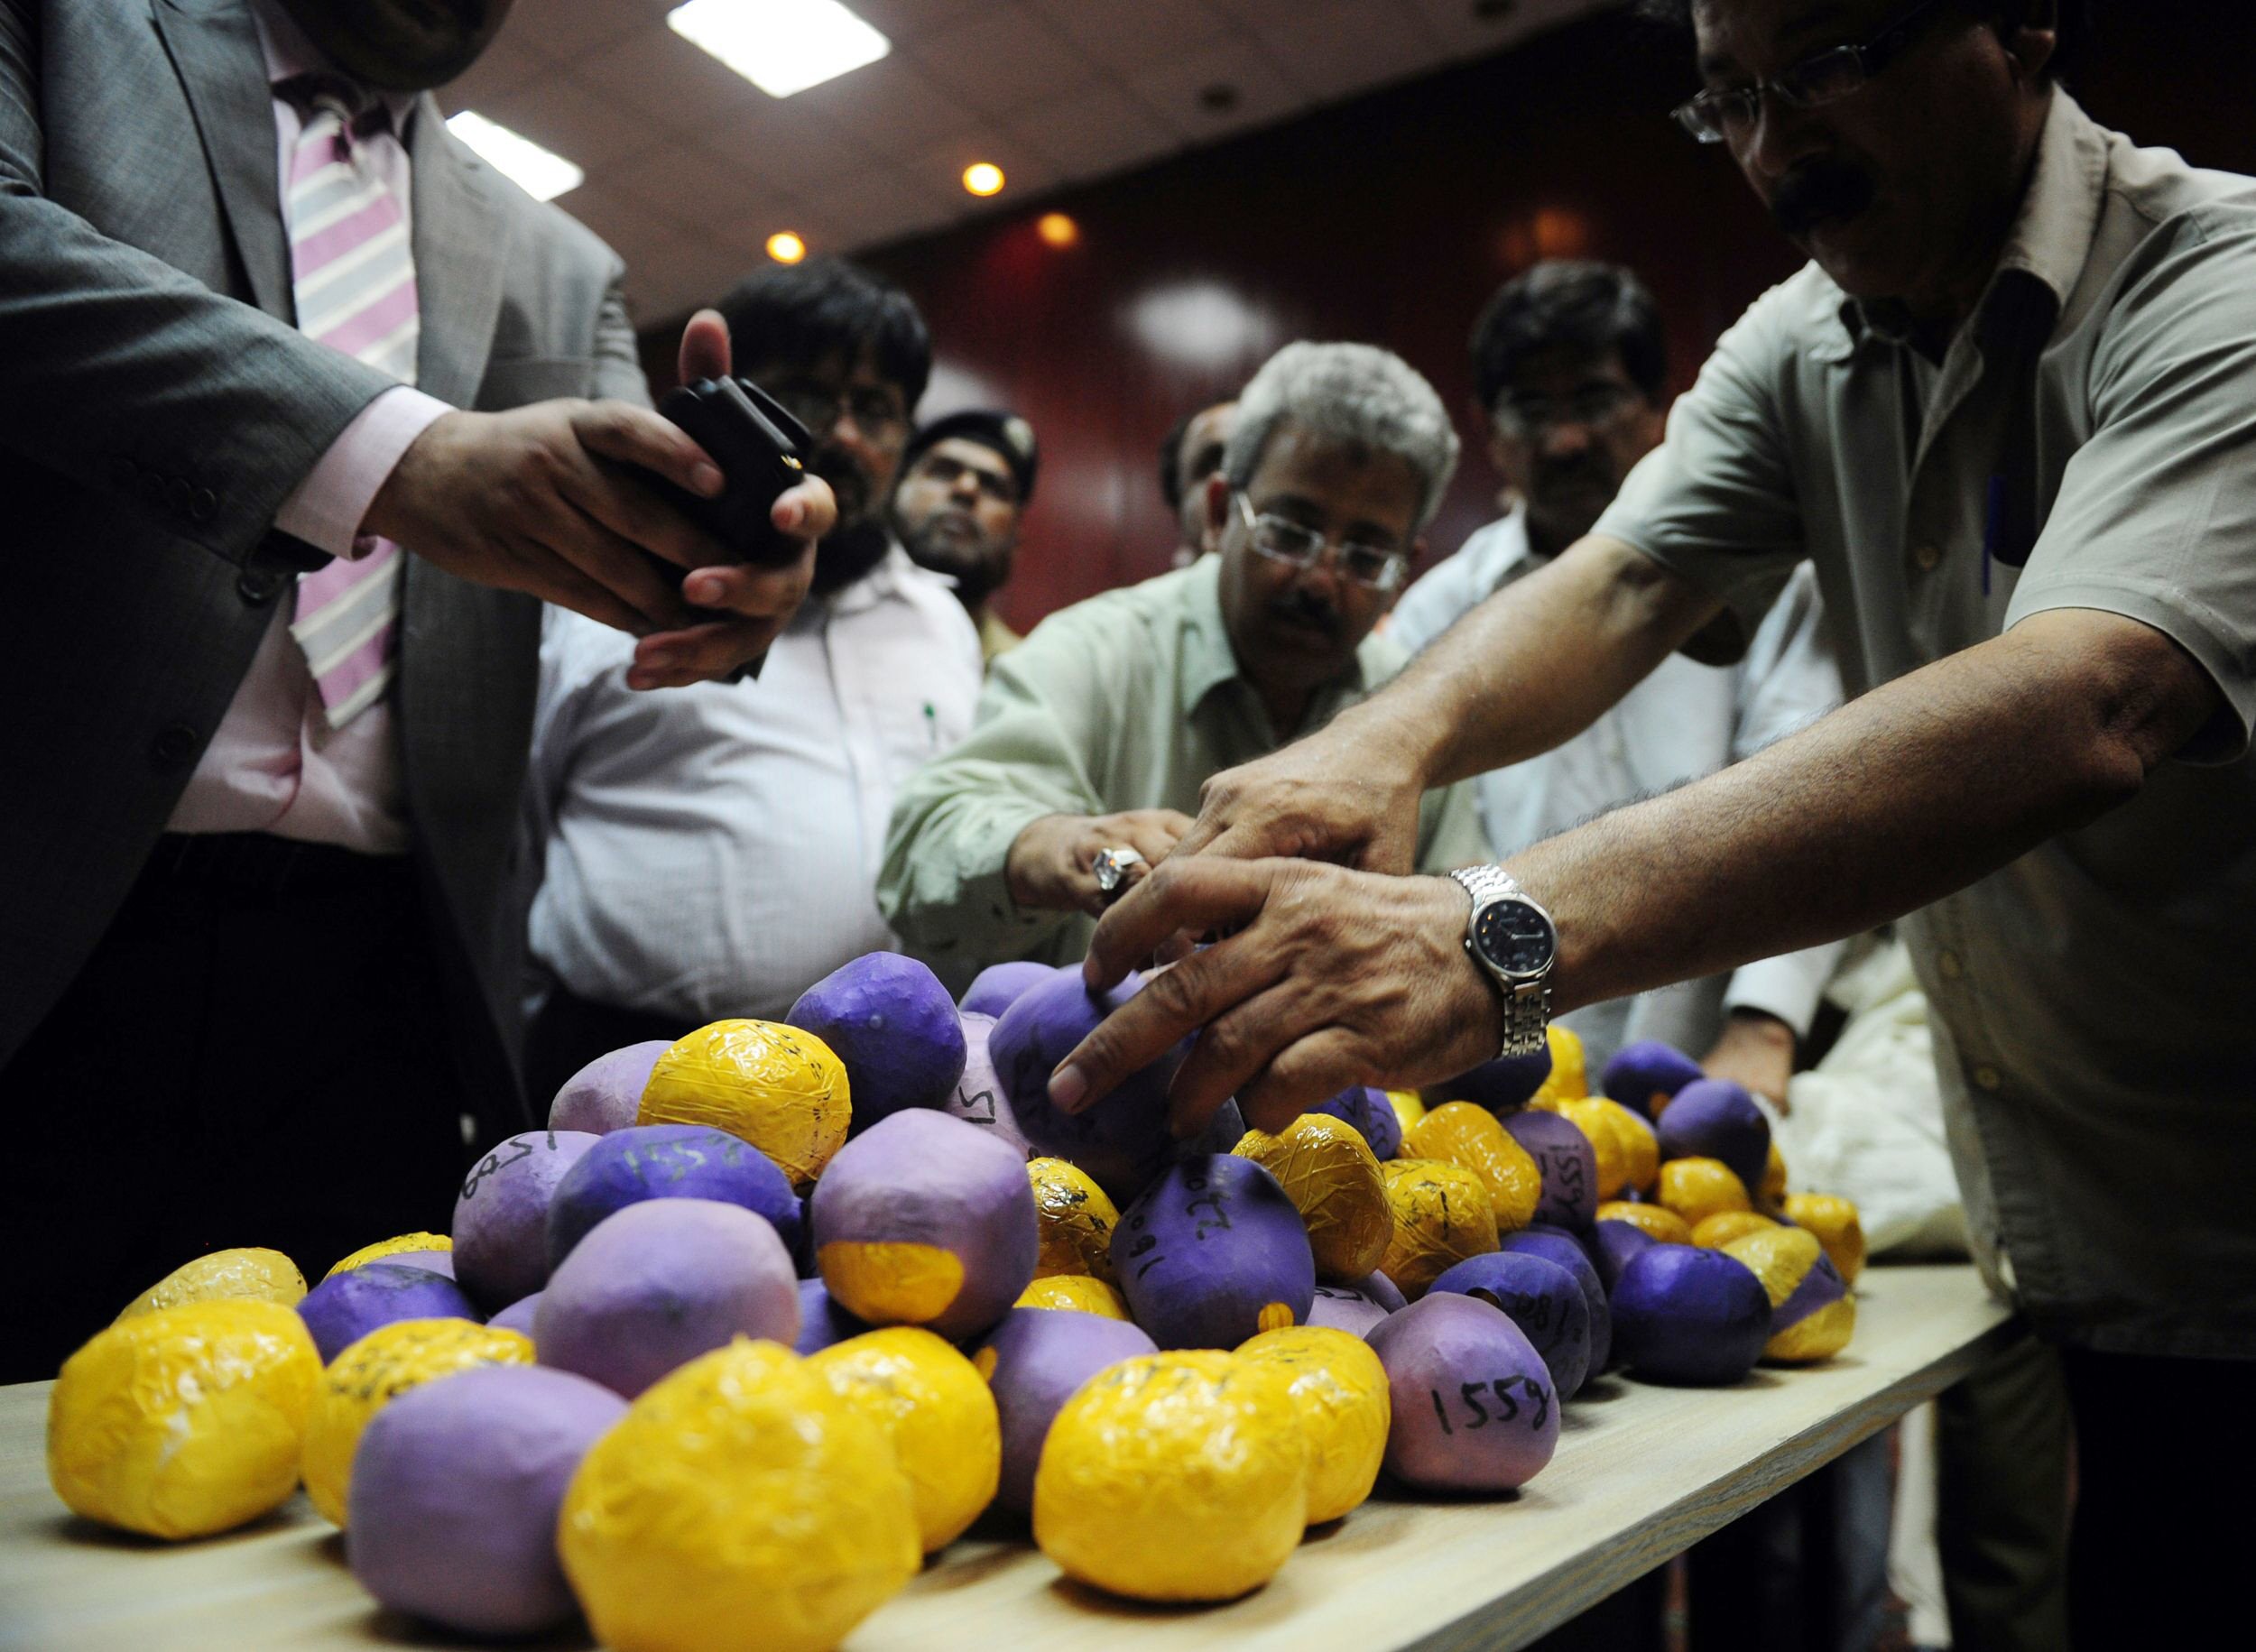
[288, 54]
[1210, 660]
[2046, 249]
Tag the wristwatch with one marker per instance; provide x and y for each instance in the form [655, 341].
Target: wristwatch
[1515, 943]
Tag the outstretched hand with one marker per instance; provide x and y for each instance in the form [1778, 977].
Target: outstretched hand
[1332, 977]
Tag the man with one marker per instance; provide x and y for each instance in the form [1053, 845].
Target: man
[2009, 410]
[965, 483]
[272, 635]
[711, 853]
[1095, 734]
[1189, 453]
[1570, 365]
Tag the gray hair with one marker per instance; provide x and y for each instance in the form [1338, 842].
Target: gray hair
[1346, 392]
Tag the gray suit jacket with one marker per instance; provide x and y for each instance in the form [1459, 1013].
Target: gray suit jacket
[157, 406]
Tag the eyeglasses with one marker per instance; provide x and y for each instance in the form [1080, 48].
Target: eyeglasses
[1283, 539]
[1822, 78]
[877, 409]
[1523, 417]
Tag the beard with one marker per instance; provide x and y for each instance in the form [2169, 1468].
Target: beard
[950, 543]
[400, 45]
[1307, 608]
[846, 554]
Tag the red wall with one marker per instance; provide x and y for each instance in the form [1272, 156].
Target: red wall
[1391, 219]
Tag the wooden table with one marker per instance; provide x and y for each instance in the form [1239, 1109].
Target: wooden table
[1642, 1474]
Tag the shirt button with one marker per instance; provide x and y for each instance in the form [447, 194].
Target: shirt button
[1987, 1078]
[174, 746]
[1927, 558]
[1950, 966]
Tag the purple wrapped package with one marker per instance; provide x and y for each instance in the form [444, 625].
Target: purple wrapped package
[346, 1306]
[1644, 1076]
[667, 1161]
[978, 1098]
[1371, 1115]
[1566, 1162]
[893, 1027]
[1714, 1118]
[1540, 1296]
[1034, 1360]
[501, 1218]
[1122, 1141]
[822, 1322]
[605, 1094]
[1556, 1245]
[1474, 1408]
[518, 1316]
[1213, 1253]
[997, 987]
[1689, 1315]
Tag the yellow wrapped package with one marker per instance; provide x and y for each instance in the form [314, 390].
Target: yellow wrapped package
[1570, 1077]
[1834, 1220]
[1698, 1188]
[1658, 1220]
[779, 1088]
[1468, 1135]
[1717, 1231]
[1075, 1219]
[739, 1500]
[1328, 1172]
[368, 1375]
[406, 1244]
[1409, 1107]
[1340, 1390]
[1770, 1197]
[1078, 1291]
[1175, 1476]
[249, 1274]
[1442, 1214]
[938, 1411]
[185, 1421]
[1812, 1313]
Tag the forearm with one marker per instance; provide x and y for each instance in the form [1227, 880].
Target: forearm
[1916, 791]
[944, 884]
[1535, 664]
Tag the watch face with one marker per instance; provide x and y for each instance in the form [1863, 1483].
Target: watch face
[1515, 937]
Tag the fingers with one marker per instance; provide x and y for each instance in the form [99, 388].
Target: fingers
[1191, 896]
[700, 653]
[807, 512]
[705, 350]
[1305, 1073]
[1236, 1046]
[750, 592]
[635, 435]
[559, 582]
[1186, 997]
[613, 562]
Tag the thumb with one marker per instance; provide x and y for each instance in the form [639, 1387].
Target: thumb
[705, 353]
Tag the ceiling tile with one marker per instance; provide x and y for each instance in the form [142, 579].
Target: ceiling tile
[682, 272]
[577, 122]
[891, 105]
[1465, 32]
[569, 30]
[694, 186]
[1025, 169]
[1174, 88]
[1005, 55]
[510, 64]
[657, 81]
[1098, 130]
[793, 150]
[909, 19]
[628, 224]
[1118, 34]
[1329, 51]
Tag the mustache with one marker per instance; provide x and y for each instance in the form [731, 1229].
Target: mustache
[1308, 609]
[853, 486]
[1820, 190]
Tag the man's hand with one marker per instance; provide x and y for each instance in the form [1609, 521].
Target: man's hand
[1051, 866]
[1756, 1051]
[1344, 793]
[541, 499]
[1331, 978]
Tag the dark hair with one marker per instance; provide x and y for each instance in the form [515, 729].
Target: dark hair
[2073, 25]
[826, 307]
[1593, 308]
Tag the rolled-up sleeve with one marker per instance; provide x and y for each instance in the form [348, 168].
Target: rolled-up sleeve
[2156, 515]
[943, 886]
[1715, 502]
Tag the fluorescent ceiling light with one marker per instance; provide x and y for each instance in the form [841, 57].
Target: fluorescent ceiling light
[537, 172]
[781, 46]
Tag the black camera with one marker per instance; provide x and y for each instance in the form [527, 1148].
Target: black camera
[760, 450]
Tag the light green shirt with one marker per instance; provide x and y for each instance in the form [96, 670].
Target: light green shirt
[2088, 440]
[1129, 700]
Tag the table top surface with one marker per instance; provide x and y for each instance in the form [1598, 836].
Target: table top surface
[1642, 1472]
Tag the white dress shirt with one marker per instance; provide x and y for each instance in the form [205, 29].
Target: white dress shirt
[1684, 721]
[713, 851]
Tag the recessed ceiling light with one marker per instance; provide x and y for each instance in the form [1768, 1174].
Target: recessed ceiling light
[539, 172]
[1057, 229]
[781, 46]
[984, 178]
[785, 247]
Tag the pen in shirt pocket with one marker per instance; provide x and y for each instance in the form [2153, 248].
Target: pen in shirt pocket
[931, 726]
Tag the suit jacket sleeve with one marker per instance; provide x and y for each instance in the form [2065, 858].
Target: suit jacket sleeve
[116, 366]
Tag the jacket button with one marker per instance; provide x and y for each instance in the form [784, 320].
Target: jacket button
[258, 587]
[179, 493]
[174, 746]
[203, 506]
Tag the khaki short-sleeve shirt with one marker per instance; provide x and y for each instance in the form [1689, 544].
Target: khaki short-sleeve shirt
[2087, 441]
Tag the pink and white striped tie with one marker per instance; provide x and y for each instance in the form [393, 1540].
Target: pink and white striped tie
[354, 275]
